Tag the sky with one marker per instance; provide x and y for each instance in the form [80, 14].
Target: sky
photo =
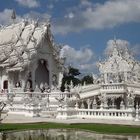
[83, 27]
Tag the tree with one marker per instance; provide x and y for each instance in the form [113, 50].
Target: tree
[87, 80]
[71, 75]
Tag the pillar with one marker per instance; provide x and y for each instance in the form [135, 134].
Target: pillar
[105, 77]
[125, 76]
[88, 103]
[94, 104]
[60, 77]
[11, 85]
[34, 67]
[50, 70]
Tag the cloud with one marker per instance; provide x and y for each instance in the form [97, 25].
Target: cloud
[74, 56]
[99, 16]
[50, 6]
[85, 3]
[41, 17]
[88, 68]
[28, 3]
[82, 58]
[70, 15]
[5, 16]
[136, 50]
[87, 15]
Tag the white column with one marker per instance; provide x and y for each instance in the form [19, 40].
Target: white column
[94, 104]
[88, 103]
[24, 79]
[105, 77]
[125, 76]
[10, 82]
[60, 77]
[23, 84]
[50, 70]
[2, 79]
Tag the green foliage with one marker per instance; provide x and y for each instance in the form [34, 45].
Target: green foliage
[73, 72]
[70, 76]
[87, 80]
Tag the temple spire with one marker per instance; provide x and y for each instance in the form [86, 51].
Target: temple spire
[13, 16]
[115, 41]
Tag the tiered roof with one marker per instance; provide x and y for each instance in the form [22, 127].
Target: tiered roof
[119, 62]
[19, 43]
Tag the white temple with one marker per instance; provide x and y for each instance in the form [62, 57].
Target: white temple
[31, 71]
[29, 58]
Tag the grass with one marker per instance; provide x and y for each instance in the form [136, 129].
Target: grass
[101, 128]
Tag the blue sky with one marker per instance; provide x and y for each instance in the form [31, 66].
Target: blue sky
[83, 26]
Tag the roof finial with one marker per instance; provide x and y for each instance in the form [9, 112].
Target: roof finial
[115, 41]
[13, 16]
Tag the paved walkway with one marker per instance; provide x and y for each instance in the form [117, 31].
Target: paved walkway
[23, 119]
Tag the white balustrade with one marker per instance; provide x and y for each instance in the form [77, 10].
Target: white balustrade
[114, 87]
[105, 113]
[97, 114]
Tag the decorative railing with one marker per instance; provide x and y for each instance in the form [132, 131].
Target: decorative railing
[107, 114]
[97, 113]
[114, 87]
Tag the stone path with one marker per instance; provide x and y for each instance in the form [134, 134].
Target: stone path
[23, 119]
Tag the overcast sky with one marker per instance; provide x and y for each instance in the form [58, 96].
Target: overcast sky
[84, 27]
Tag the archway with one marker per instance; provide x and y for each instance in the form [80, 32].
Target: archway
[42, 73]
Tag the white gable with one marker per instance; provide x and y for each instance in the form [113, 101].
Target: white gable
[117, 62]
[19, 41]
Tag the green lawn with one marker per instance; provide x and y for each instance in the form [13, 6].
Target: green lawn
[102, 128]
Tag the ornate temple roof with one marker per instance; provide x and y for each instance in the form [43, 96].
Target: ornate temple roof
[119, 62]
[19, 42]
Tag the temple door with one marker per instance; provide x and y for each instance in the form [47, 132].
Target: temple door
[5, 84]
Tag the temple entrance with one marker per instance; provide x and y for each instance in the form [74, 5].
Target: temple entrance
[5, 84]
[42, 73]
